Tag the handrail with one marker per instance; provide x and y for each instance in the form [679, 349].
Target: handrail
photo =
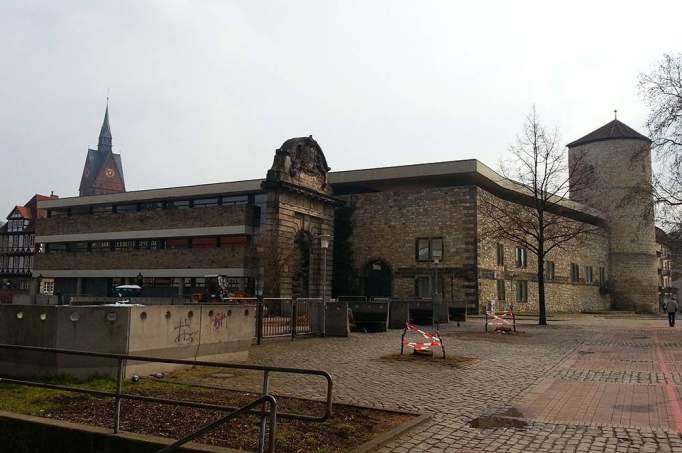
[206, 428]
[119, 395]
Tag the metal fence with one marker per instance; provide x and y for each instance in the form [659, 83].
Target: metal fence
[265, 406]
[284, 317]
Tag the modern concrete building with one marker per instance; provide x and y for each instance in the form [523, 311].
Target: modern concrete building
[304, 231]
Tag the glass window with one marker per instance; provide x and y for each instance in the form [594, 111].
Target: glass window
[575, 272]
[150, 244]
[200, 282]
[100, 246]
[500, 254]
[205, 202]
[57, 212]
[178, 204]
[238, 199]
[549, 270]
[521, 257]
[589, 277]
[602, 275]
[423, 250]
[204, 243]
[436, 249]
[78, 247]
[423, 287]
[180, 243]
[233, 240]
[162, 282]
[501, 293]
[80, 210]
[102, 209]
[521, 291]
[151, 205]
[122, 208]
[124, 245]
[56, 247]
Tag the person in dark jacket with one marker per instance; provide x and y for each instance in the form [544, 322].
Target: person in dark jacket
[671, 307]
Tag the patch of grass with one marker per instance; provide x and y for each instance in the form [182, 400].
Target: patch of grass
[23, 399]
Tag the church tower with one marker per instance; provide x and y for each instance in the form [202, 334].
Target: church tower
[103, 171]
[616, 161]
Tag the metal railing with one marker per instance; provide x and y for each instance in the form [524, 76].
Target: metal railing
[283, 317]
[251, 408]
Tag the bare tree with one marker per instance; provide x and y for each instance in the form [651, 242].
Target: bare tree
[661, 89]
[540, 176]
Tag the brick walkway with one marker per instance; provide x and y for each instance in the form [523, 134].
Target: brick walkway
[584, 384]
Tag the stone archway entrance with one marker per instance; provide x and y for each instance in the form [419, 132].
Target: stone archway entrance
[378, 279]
[300, 282]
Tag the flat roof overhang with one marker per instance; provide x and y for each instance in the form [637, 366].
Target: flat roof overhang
[470, 172]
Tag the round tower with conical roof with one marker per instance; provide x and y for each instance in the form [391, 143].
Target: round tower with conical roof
[611, 172]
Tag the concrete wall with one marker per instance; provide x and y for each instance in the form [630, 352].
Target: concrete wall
[201, 332]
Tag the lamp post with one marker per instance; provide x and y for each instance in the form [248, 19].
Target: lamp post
[324, 244]
[435, 299]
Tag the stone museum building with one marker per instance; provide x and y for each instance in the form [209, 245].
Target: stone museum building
[381, 232]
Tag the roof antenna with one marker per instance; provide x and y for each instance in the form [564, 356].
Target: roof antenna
[615, 113]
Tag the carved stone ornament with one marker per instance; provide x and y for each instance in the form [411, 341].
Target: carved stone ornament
[301, 162]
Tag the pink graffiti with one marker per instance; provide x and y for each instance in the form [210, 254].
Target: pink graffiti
[218, 320]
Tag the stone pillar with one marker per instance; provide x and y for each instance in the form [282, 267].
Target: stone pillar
[79, 286]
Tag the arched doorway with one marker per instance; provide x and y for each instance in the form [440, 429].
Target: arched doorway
[378, 279]
[300, 282]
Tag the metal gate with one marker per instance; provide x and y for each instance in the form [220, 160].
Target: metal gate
[284, 317]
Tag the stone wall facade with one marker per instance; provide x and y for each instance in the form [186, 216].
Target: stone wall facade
[562, 294]
[386, 225]
[622, 192]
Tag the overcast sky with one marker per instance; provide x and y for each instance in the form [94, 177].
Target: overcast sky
[205, 91]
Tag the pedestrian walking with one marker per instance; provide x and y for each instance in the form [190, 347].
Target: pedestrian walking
[671, 307]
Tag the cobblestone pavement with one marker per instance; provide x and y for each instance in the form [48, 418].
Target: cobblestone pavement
[584, 384]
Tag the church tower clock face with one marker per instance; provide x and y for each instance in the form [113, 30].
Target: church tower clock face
[109, 172]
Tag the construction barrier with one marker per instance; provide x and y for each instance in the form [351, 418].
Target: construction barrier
[431, 340]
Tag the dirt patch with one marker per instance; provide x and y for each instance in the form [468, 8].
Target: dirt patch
[510, 418]
[452, 361]
[347, 428]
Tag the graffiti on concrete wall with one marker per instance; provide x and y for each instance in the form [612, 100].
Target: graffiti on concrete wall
[219, 320]
[185, 333]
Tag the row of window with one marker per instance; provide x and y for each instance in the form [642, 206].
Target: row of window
[521, 261]
[155, 205]
[16, 264]
[16, 243]
[145, 244]
[17, 225]
[520, 290]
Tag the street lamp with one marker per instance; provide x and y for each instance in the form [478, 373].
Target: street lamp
[324, 245]
[435, 298]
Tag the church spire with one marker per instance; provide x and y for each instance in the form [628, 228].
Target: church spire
[104, 143]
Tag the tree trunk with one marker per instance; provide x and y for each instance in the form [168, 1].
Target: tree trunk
[542, 318]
